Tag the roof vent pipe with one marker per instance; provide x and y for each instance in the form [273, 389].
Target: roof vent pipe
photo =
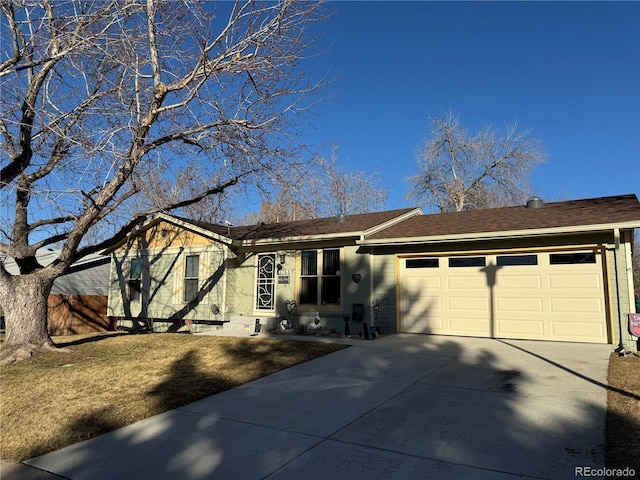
[535, 202]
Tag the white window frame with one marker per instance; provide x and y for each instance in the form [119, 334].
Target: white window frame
[321, 276]
[187, 278]
[137, 280]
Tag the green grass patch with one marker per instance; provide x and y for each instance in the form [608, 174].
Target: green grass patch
[107, 381]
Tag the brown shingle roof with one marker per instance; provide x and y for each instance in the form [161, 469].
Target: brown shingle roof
[576, 213]
[355, 224]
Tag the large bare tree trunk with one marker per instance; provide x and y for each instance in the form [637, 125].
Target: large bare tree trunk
[24, 300]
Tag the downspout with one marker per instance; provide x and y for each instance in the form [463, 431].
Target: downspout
[616, 237]
[225, 262]
[371, 285]
[606, 279]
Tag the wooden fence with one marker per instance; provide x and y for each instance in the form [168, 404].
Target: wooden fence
[72, 314]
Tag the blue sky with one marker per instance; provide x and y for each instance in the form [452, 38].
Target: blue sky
[567, 71]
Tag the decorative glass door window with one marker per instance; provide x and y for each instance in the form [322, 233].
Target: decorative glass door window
[265, 285]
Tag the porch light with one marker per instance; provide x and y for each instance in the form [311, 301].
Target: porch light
[282, 257]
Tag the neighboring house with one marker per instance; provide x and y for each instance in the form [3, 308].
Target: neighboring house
[558, 271]
[78, 299]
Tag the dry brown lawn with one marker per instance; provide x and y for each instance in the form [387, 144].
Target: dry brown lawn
[108, 381]
[623, 413]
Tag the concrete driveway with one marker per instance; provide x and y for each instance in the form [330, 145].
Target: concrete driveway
[399, 407]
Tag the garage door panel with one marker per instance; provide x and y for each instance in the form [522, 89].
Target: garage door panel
[425, 283]
[517, 282]
[469, 282]
[514, 327]
[423, 309]
[577, 305]
[467, 326]
[530, 306]
[425, 324]
[586, 332]
[468, 304]
[576, 282]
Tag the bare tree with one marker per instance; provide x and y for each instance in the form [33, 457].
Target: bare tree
[339, 191]
[104, 101]
[324, 189]
[459, 171]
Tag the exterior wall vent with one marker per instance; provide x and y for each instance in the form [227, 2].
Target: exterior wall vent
[535, 202]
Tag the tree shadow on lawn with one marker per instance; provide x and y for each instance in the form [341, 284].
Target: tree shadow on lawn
[188, 380]
[61, 343]
[420, 405]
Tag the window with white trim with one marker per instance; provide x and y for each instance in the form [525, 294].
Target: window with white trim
[191, 277]
[320, 277]
[265, 282]
[135, 279]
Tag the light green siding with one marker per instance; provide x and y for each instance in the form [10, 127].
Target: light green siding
[162, 284]
[622, 302]
[240, 289]
[384, 293]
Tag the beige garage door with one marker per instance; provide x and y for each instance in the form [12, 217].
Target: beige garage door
[542, 296]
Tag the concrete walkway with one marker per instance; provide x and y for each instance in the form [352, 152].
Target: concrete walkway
[399, 407]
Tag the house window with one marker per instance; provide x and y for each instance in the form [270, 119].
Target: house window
[320, 277]
[191, 270]
[467, 262]
[135, 279]
[571, 258]
[508, 260]
[422, 263]
[265, 287]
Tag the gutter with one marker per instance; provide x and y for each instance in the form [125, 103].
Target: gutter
[299, 239]
[511, 234]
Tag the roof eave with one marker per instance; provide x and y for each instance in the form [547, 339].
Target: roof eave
[297, 239]
[159, 217]
[499, 234]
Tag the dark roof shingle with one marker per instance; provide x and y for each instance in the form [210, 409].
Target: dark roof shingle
[355, 224]
[594, 211]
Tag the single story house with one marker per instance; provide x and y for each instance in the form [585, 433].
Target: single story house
[78, 299]
[556, 271]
